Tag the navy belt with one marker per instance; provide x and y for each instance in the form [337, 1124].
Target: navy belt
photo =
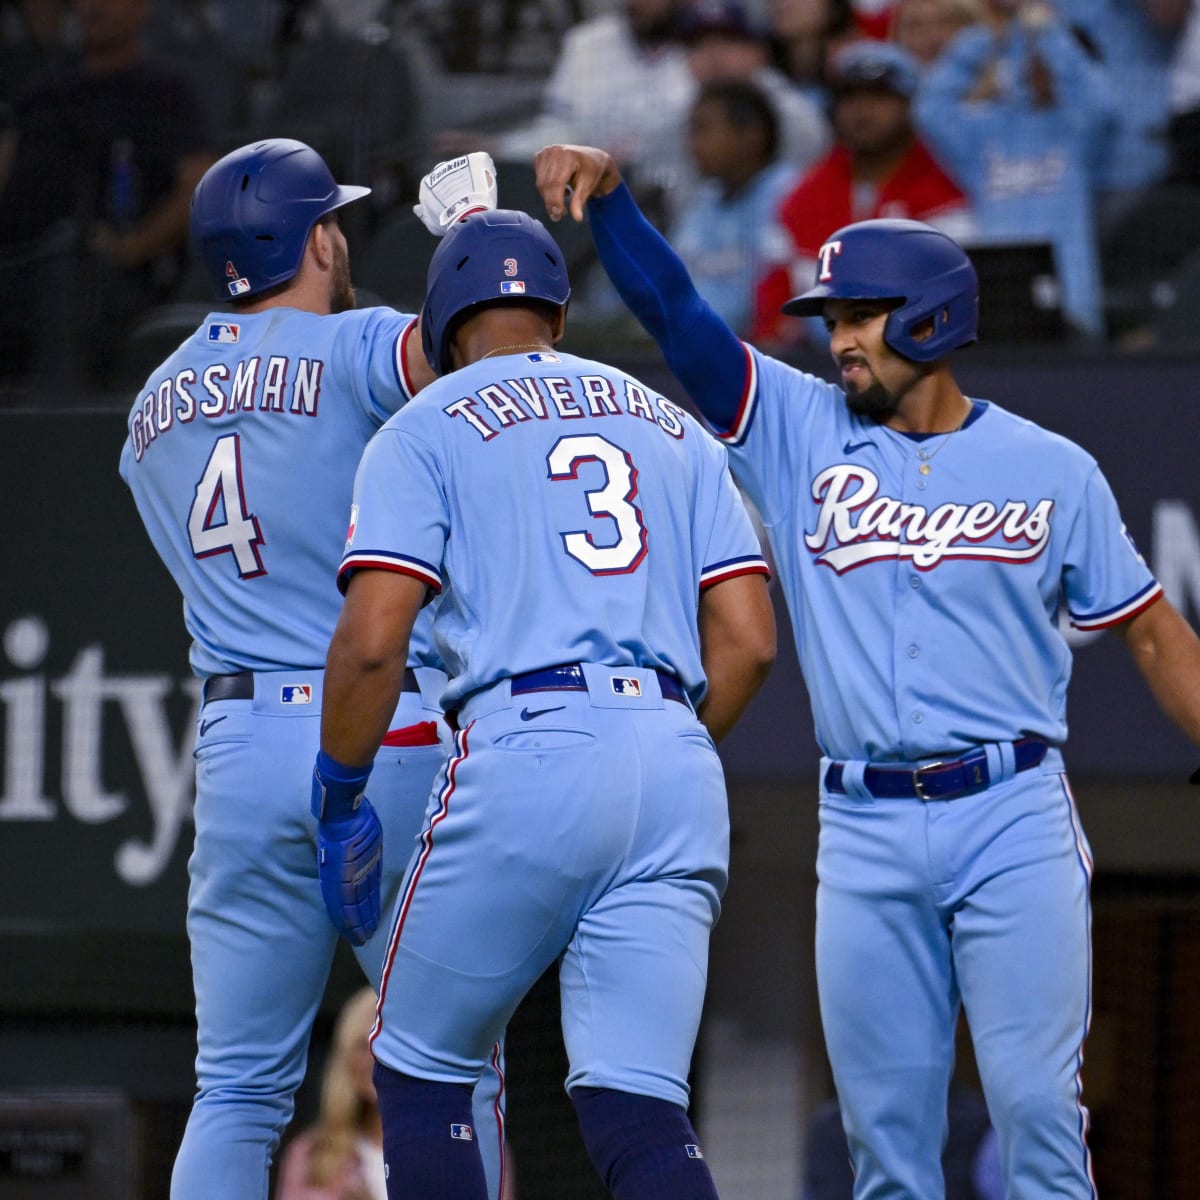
[241, 685]
[938, 780]
[570, 678]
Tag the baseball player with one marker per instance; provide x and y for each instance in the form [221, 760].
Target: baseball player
[925, 541]
[241, 454]
[604, 617]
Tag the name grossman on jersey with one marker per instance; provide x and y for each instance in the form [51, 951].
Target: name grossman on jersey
[220, 390]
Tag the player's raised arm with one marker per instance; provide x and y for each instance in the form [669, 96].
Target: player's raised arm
[705, 354]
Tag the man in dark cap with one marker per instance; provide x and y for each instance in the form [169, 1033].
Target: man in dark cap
[878, 167]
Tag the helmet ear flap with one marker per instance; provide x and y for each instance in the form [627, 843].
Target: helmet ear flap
[941, 316]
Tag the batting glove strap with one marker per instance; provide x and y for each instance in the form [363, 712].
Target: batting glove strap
[337, 790]
[455, 188]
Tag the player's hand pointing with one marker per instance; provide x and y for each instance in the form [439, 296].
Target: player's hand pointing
[572, 175]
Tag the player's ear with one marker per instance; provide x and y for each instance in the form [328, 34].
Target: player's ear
[320, 245]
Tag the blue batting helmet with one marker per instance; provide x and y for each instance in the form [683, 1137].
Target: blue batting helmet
[908, 261]
[252, 212]
[500, 255]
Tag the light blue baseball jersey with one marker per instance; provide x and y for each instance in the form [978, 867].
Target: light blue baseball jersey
[566, 461]
[244, 519]
[240, 456]
[944, 586]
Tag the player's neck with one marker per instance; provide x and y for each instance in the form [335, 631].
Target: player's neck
[934, 404]
[495, 332]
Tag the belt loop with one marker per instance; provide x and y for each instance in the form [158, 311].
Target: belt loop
[852, 780]
[1006, 768]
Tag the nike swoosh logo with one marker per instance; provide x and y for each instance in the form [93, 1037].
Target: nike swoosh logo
[850, 447]
[205, 726]
[528, 714]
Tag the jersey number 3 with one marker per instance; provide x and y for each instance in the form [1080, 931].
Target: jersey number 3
[218, 522]
[613, 500]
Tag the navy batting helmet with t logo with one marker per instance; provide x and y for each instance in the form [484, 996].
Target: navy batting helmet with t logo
[927, 272]
[488, 257]
[252, 212]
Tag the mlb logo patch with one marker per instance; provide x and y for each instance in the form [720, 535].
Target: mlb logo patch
[238, 286]
[512, 287]
[463, 1133]
[295, 693]
[626, 687]
[220, 331]
[538, 357]
[353, 525]
[692, 1151]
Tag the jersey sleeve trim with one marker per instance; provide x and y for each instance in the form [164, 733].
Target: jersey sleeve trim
[1123, 612]
[402, 376]
[750, 564]
[381, 560]
[743, 417]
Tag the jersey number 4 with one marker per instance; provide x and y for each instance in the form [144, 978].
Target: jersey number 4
[218, 522]
[613, 500]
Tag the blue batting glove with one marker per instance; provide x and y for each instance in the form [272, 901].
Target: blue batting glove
[349, 848]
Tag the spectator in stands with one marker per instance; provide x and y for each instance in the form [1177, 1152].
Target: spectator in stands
[1134, 40]
[621, 82]
[93, 210]
[724, 43]
[1020, 113]
[340, 1156]
[877, 168]
[1184, 103]
[924, 27]
[804, 34]
[32, 39]
[872, 18]
[734, 144]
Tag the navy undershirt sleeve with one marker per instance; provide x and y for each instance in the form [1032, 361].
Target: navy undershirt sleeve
[704, 353]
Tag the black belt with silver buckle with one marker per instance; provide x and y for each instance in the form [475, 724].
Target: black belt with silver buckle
[570, 678]
[938, 780]
[241, 685]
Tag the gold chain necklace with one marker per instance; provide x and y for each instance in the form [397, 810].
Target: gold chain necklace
[927, 457]
[512, 349]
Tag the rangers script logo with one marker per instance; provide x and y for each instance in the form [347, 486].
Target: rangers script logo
[865, 527]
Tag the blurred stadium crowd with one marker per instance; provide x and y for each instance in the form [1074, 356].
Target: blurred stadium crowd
[1059, 140]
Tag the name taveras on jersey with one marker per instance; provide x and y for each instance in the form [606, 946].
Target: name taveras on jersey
[219, 390]
[497, 407]
[865, 527]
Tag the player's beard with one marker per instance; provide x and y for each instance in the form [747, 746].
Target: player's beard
[341, 290]
[877, 403]
[874, 402]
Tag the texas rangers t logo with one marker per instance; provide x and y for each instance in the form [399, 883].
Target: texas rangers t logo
[825, 254]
